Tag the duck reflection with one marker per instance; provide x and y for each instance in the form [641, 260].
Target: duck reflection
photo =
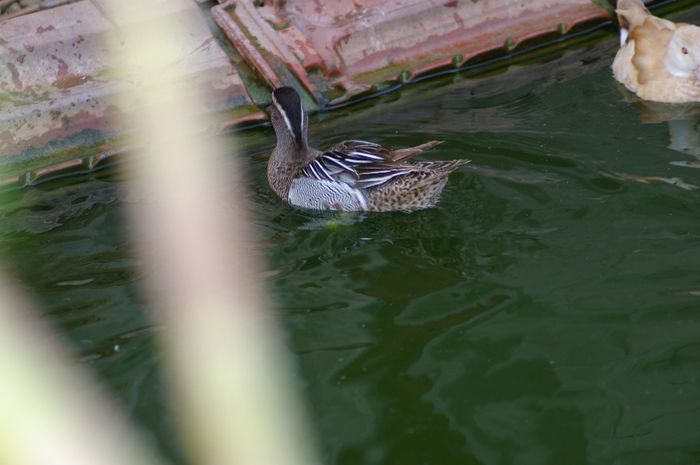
[683, 122]
[685, 138]
[683, 128]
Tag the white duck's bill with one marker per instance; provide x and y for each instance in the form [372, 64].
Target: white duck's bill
[624, 35]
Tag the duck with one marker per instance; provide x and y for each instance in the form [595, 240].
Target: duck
[658, 60]
[354, 175]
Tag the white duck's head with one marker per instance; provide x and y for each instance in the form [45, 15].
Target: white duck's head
[683, 55]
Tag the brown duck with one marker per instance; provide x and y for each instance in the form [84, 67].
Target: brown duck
[354, 175]
[659, 60]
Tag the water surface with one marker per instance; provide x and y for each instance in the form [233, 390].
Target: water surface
[548, 312]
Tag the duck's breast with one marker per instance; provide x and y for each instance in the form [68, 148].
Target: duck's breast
[326, 195]
[623, 69]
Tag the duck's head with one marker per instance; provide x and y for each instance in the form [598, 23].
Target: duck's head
[683, 56]
[288, 117]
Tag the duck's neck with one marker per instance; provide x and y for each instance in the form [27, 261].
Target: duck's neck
[286, 160]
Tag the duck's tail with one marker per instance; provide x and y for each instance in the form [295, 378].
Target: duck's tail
[442, 167]
[630, 14]
[402, 154]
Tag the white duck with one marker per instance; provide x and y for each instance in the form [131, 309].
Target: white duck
[659, 60]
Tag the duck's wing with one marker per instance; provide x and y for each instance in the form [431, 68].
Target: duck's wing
[651, 42]
[392, 155]
[356, 145]
[363, 164]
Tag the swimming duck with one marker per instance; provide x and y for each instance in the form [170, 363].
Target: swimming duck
[354, 175]
[658, 59]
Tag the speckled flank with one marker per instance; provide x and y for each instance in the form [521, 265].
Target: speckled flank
[414, 191]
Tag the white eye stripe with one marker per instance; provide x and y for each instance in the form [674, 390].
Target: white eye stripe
[284, 115]
[303, 121]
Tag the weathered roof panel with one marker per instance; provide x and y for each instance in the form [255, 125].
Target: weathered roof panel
[338, 49]
[58, 85]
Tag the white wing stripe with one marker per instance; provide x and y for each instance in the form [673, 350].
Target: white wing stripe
[366, 154]
[338, 162]
[372, 171]
[362, 142]
[322, 168]
[324, 175]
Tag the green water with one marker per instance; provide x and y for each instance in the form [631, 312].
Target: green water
[548, 312]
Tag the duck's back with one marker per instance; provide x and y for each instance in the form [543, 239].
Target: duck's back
[651, 45]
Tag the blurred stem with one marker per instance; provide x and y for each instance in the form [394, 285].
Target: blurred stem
[229, 374]
[51, 412]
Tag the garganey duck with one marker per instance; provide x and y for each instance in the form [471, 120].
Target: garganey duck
[658, 59]
[354, 175]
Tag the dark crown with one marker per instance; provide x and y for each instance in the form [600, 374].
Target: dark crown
[288, 102]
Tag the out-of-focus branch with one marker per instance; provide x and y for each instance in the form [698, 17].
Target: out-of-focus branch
[230, 376]
[51, 413]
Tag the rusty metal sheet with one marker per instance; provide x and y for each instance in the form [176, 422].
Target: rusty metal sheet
[58, 87]
[337, 49]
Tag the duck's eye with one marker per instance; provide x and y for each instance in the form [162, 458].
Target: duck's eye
[684, 51]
